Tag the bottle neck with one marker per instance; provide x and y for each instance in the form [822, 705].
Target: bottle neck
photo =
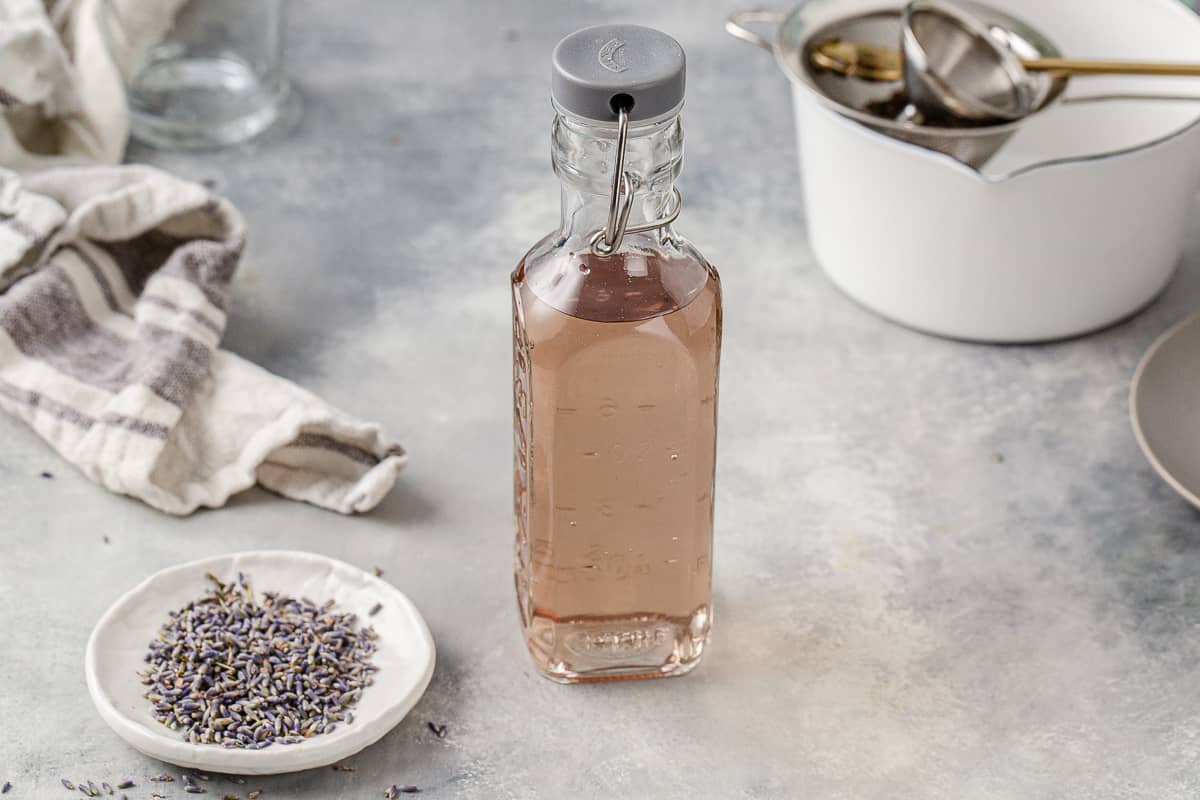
[583, 154]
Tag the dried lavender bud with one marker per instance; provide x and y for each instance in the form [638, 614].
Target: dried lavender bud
[163, 778]
[391, 792]
[6, 788]
[67, 784]
[409, 790]
[158, 796]
[126, 784]
[192, 788]
[107, 789]
[377, 572]
[242, 672]
[438, 730]
[257, 793]
[375, 609]
[342, 768]
[230, 796]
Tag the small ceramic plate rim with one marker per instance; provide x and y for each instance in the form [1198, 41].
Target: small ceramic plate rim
[402, 628]
[1135, 413]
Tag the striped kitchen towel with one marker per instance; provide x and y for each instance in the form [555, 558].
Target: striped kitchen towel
[114, 284]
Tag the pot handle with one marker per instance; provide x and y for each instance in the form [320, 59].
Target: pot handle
[736, 26]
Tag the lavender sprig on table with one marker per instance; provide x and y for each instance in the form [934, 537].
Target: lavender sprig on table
[232, 670]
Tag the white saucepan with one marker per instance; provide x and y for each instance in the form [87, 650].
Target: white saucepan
[1076, 220]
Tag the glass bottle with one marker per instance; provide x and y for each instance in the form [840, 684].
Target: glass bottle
[616, 343]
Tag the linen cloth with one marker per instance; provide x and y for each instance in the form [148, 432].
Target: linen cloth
[114, 290]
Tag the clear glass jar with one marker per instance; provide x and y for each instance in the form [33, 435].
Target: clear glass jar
[615, 406]
[199, 73]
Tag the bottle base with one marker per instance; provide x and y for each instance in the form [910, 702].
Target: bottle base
[635, 647]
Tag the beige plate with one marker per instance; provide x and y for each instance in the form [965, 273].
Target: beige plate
[1164, 405]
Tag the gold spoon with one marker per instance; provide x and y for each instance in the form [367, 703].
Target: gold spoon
[874, 62]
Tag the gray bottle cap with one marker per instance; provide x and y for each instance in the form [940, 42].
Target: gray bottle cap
[594, 65]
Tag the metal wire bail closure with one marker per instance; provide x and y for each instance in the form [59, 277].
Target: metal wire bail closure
[606, 240]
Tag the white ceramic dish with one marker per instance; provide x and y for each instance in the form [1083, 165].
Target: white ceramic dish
[1076, 222]
[1164, 406]
[119, 641]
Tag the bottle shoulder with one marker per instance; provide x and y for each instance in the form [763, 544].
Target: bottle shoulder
[651, 275]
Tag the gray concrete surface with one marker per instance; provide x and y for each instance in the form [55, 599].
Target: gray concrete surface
[942, 570]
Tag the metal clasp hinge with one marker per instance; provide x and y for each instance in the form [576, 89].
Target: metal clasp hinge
[620, 200]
